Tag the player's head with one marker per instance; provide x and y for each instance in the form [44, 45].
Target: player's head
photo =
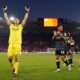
[16, 21]
[60, 28]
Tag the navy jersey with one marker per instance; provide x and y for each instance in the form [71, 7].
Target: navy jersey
[59, 41]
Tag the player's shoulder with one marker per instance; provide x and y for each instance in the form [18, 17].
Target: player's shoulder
[11, 25]
[20, 25]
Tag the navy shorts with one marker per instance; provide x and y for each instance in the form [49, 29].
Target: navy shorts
[60, 52]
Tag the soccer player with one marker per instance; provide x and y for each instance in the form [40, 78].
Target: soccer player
[65, 46]
[15, 38]
[58, 38]
[71, 45]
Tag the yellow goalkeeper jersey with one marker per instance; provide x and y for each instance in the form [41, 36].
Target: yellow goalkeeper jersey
[15, 36]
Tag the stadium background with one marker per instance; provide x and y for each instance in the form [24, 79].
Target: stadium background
[36, 37]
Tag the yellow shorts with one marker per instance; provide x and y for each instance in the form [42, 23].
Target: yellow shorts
[14, 49]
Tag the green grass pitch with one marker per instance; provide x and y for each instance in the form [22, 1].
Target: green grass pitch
[38, 67]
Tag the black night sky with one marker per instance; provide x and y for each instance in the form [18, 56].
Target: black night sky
[69, 9]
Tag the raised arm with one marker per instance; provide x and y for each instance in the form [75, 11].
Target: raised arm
[54, 35]
[5, 15]
[26, 16]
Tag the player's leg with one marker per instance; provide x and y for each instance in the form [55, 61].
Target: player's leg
[10, 55]
[57, 60]
[17, 56]
[69, 60]
[70, 56]
[10, 59]
[16, 65]
[64, 58]
[72, 52]
[66, 63]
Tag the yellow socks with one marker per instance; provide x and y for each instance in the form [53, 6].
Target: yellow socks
[16, 66]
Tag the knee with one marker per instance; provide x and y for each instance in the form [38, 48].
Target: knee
[10, 59]
[17, 58]
[57, 57]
